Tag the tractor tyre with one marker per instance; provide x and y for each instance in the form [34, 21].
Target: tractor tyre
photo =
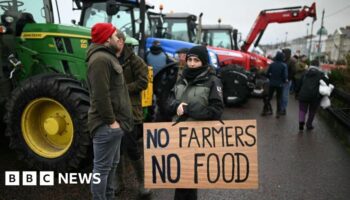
[46, 122]
[163, 84]
[235, 83]
[261, 87]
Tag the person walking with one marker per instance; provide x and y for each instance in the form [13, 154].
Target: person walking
[197, 95]
[135, 73]
[278, 75]
[110, 113]
[291, 65]
[301, 67]
[309, 96]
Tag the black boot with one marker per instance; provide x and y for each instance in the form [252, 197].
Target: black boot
[309, 127]
[267, 109]
[301, 126]
[138, 167]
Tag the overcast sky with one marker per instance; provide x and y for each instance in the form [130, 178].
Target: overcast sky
[242, 14]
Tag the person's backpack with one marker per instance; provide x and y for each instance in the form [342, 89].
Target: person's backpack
[309, 90]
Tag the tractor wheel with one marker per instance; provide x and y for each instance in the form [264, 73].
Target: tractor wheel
[47, 122]
[163, 83]
[261, 87]
[235, 83]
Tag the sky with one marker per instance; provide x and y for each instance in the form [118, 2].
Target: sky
[242, 14]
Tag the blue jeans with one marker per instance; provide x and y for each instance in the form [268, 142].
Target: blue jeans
[285, 95]
[106, 145]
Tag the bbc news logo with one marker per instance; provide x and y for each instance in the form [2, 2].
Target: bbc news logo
[47, 178]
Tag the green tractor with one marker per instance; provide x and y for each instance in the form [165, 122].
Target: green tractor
[43, 92]
[43, 96]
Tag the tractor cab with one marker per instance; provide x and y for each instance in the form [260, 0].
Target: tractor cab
[128, 16]
[180, 26]
[156, 21]
[14, 15]
[220, 35]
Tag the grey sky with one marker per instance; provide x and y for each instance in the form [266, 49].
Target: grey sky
[242, 14]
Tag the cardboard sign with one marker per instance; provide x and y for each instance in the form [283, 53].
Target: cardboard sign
[205, 154]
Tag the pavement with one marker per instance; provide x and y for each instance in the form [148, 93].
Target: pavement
[291, 165]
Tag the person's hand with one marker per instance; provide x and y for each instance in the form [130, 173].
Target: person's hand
[114, 125]
[180, 109]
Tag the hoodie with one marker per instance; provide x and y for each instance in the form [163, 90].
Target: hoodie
[277, 71]
[308, 91]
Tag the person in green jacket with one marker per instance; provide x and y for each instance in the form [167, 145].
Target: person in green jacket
[301, 67]
[110, 114]
[135, 73]
[197, 96]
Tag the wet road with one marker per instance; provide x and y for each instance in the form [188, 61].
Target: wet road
[311, 165]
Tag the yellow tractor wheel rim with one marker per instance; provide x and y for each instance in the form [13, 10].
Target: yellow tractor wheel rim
[47, 127]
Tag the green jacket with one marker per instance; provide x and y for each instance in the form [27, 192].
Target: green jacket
[203, 96]
[109, 98]
[136, 77]
[300, 69]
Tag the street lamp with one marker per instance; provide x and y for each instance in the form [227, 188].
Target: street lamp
[320, 32]
[285, 41]
[310, 45]
[307, 37]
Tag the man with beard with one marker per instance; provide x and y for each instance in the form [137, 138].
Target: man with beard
[135, 73]
[110, 114]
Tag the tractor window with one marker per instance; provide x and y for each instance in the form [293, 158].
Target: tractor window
[220, 39]
[177, 30]
[94, 14]
[97, 13]
[122, 20]
[155, 26]
[148, 25]
[35, 9]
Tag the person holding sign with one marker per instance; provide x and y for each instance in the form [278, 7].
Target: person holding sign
[196, 96]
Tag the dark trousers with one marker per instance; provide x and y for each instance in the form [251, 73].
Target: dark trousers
[308, 107]
[185, 194]
[279, 91]
[129, 143]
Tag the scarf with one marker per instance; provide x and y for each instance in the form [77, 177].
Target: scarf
[191, 73]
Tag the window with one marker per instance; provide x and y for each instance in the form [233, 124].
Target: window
[97, 13]
[218, 38]
[176, 30]
[36, 9]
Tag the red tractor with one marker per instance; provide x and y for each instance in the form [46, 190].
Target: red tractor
[236, 83]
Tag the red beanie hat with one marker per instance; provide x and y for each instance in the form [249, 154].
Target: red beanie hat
[100, 32]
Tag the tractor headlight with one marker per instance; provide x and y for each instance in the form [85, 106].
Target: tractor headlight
[2, 29]
[9, 19]
[213, 59]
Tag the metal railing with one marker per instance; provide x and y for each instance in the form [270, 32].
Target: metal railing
[340, 108]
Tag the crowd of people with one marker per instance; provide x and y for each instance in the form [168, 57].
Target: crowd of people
[291, 75]
[116, 77]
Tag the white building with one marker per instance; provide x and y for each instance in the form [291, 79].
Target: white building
[339, 44]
